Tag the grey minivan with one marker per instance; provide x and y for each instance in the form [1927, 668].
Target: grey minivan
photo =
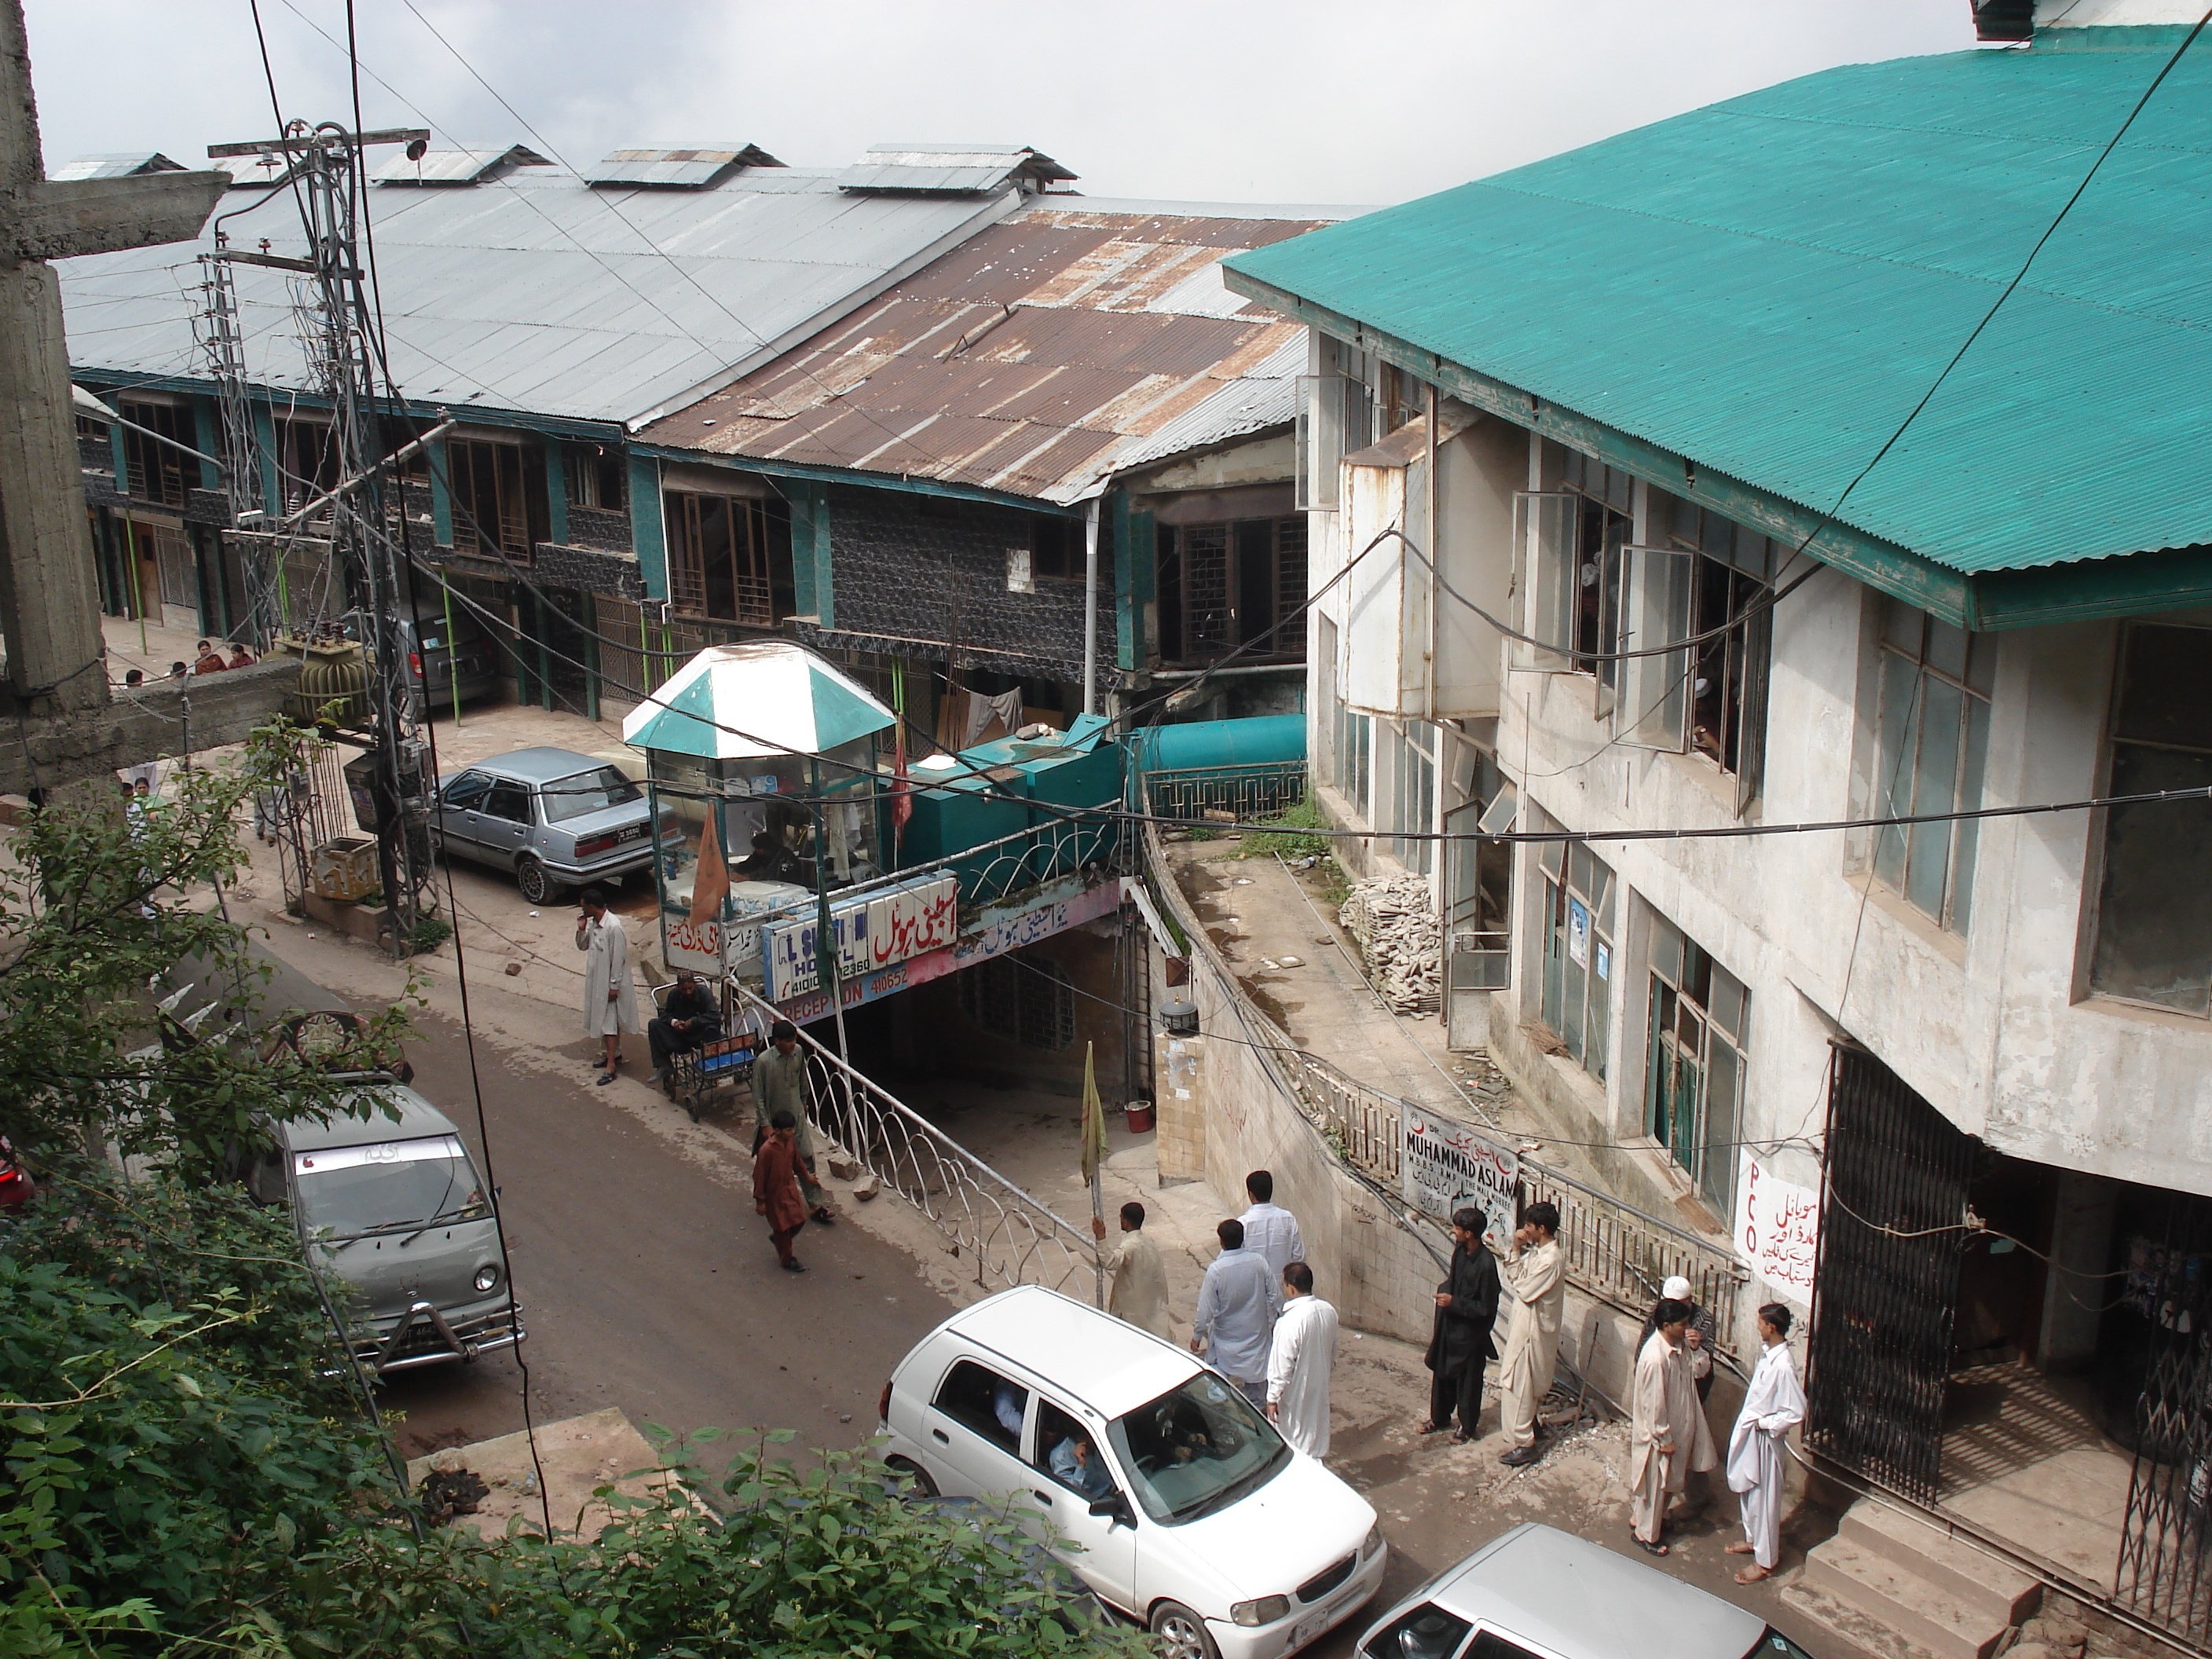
[439, 662]
[556, 818]
[393, 1211]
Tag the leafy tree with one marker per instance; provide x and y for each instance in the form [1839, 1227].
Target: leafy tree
[179, 1473]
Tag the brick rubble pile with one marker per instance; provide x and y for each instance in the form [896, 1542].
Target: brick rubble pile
[1394, 920]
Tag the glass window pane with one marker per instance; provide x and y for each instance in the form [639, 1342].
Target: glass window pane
[1900, 690]
[1555, 954]
[1970, 798]
[1900, 626]
[2154, 919]
[1982, 663]
[1724, 1086]
[1947, 648]
[1595, 1039]
[1573, 991]
[1726, 1005]
[1666, 950]
[1935, 788]
[1697, 981]
[1602, 895]
[1578, 866]
[2163, 694]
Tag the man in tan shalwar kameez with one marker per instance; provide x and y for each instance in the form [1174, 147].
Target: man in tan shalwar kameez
[1668, 1436]
[1535, 1274]
[1140, 1277]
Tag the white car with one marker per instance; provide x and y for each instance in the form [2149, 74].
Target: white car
[1539, 1593]
[1186, 1511]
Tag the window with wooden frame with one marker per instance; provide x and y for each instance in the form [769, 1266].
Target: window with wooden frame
[1695, 1067]
[596, 475]
[2153, 934]
[498, 498]
[1934, 736]
[1578, 935]
[158, 472]
[729, 557]
[1223, 586]
[1058, 550]
[307, 460]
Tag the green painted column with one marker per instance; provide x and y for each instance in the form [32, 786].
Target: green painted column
[1135, 584]
[813, 578]
[441, 495]
[264, 435]
[207, 438]
[645, 531]
[557, 492]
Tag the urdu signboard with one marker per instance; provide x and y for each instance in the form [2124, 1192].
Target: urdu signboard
[888, 925]
[1448, 1166]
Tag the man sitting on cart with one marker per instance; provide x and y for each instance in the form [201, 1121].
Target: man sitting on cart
[691, 1016]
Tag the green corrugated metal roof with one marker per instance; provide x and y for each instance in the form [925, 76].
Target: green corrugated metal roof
[1766, 287]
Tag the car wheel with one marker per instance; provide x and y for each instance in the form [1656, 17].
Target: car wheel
[536, 886]
[923, 1486]
[1181, 1633]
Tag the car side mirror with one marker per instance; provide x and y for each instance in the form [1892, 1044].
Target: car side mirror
[1114, 1509]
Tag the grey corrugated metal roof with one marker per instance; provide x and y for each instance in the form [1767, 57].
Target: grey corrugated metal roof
[536, 292]
[941, 169]
[455, 166]
[675, 166]
[113, 166]
[1040, 357]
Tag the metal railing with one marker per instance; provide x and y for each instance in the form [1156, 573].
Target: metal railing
[1012, 863]
[1622, 1255]
[1615, 1252]
[992, 1228]
[1245, 793]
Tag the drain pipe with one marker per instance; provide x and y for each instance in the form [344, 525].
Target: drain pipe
[1090, 606]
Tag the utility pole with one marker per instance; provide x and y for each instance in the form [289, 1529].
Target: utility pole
[68, 727]
[324, 165]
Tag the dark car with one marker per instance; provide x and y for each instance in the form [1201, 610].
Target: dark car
[556, 818]
[439, 662]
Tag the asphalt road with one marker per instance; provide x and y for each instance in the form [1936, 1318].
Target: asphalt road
[646, 1280]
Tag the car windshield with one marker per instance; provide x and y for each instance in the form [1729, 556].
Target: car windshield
[1197, 1450]
[352, 1191]
[588, 792]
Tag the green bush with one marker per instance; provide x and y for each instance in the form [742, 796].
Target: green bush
[1286, 837]
[431, 932]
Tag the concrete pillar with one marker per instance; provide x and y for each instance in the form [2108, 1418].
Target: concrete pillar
[2081, 1239]
[1180, 1120]
[49, 589]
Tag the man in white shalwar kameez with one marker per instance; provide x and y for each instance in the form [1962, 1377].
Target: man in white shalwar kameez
[1535, 1274]
[1773, 1405]
[1299, 1357]
[609, 996]
[1668, 1436]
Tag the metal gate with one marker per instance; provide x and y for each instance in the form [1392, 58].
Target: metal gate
[1886, 1287]
[2166, 1534]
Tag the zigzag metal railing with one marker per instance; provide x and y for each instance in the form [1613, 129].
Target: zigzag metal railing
[1006, 1235]
[1615, 1252]
[1246, 792]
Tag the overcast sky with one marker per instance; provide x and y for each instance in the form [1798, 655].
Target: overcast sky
[1357, 102]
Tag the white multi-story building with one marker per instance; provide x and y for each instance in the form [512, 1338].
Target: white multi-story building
[1630, 523]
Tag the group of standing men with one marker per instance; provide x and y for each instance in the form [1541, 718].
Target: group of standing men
[1533, 1278]
[1258, 1321]
[1669, 1439]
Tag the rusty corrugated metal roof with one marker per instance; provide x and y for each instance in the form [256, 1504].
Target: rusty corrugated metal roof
[1041, 357]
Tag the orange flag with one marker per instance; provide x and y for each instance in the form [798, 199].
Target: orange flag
[712, 884]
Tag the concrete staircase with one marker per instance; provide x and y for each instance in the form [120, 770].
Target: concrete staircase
[1944, 1598]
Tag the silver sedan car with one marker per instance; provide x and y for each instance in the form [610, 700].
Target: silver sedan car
[1539, 1593]
[556, 818]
